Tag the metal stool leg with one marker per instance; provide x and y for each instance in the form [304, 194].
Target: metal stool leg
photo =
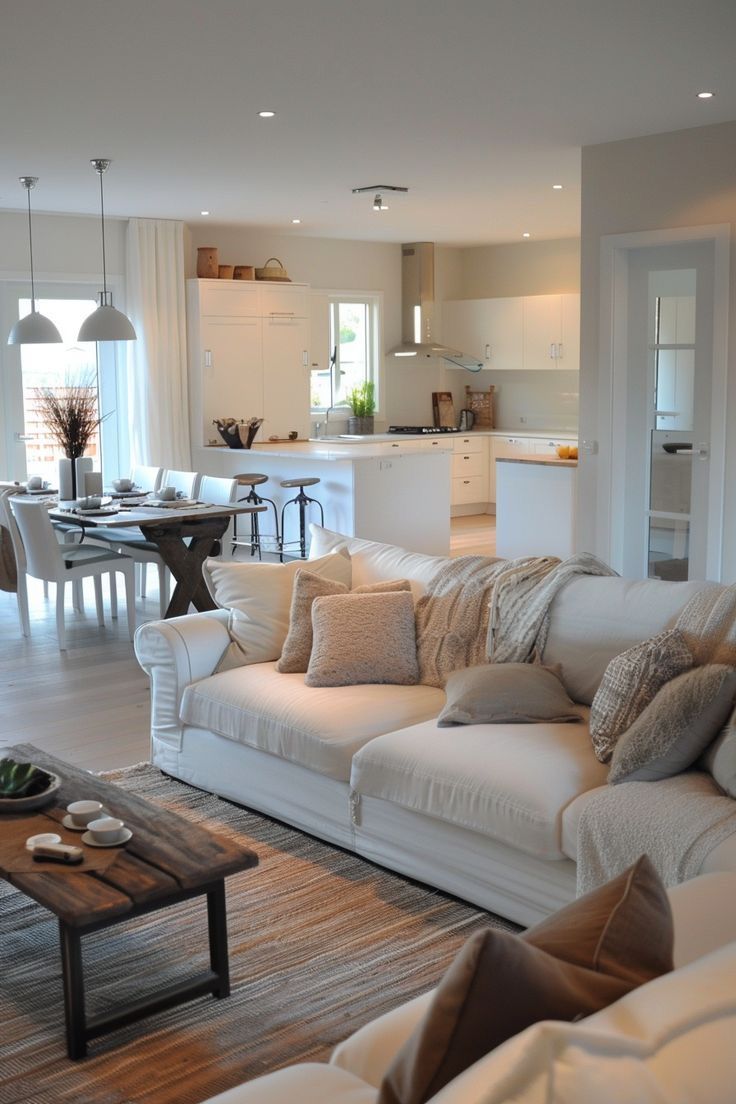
[303, 501]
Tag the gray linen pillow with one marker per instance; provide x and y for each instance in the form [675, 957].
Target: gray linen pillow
[308, 586]
[720, 758]
[630, 682]
[363, 638]
[505, 693]
[676, 726]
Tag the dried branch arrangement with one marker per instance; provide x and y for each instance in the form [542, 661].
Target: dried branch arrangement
[71, 415]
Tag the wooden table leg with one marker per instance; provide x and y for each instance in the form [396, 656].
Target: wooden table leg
[73, 978]
[184, 561]
[217, 924]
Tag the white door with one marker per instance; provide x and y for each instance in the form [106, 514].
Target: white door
[286, 377]
[662, 444]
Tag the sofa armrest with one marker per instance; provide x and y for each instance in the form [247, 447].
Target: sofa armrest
[174, 654]
[370, 1050]
[704, 914]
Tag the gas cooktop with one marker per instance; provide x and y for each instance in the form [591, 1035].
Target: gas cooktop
[423, 429]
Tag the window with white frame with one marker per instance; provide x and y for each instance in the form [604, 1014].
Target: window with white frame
[353, 355]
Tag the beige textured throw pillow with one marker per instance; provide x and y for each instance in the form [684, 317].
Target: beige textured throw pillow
[630, 682]
[675, 728]
[506, 693]
[720, 758]
[576, 962]
[363, 638]
[298, 644]
[258, 596]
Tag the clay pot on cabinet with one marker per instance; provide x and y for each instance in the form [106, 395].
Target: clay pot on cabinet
[207, 264]
[225, 272]
[244, 272]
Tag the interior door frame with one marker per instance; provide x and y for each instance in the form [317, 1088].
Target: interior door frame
[612, 392]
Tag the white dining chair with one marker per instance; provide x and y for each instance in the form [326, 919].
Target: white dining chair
[146, 478]
[56, 563]
[21, 589]
[218, 491]
[185, 483]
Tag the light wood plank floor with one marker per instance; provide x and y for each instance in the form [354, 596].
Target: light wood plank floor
[91, 704]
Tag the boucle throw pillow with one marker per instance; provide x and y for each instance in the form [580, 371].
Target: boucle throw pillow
[720, 758]
[308, 586]
[363, 638]
[676, 726]
[629, 683]
[506, 693]
[576, 962]
[258, 596]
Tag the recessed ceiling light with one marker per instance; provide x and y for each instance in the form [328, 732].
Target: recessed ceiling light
[266, 114]
[204, 212]
[526, 234]
[706, 95]
[557, 187]
[296, 221]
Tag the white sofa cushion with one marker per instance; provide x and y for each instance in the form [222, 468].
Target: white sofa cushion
[594, 618]
[307, 1083]
[320, 728]
[375, 562]
[509, 782]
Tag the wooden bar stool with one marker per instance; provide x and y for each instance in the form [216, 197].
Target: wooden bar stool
[253, 480]
[303, 501]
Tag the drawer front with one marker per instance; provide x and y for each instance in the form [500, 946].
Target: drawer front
[549, 447]
[468, 463]
[469, 444]
[440, 444]
[473, 488]
[229, 299]
[283, 300]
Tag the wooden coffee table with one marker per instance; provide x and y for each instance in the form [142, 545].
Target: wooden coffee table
[168, 860]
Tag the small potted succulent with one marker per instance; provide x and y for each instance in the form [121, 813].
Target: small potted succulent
[362, 401]
[24, 786]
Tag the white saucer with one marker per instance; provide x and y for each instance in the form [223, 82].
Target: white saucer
[69, 823]
[87, 838]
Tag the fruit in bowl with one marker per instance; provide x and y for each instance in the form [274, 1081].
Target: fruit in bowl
[24, 786]
[563, 452]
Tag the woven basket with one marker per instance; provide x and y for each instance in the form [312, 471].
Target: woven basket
[273, 271]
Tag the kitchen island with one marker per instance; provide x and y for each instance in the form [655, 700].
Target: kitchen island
[536, 500]
[397, 492]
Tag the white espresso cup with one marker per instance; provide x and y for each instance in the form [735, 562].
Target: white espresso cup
[82, 812]
[122, 484]
[167, 494]
[34, 483]
[106, 829]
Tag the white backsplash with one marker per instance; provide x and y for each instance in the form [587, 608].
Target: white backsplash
[524, 400]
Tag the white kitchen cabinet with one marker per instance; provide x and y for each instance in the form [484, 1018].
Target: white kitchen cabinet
[547, 446]
[285, 376]
[470, 470]
[504, 446]
[248, 356]
[531, 332]
[489, 329]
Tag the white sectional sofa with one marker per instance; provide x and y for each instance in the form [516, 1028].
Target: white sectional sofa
[486, 812]
[669, 1040]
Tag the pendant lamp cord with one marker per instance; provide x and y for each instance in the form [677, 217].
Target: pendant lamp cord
[104, 266]
[30, 246]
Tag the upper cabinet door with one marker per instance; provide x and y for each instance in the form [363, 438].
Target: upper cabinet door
[228, 298]
[542, 331]
[489, 329]
[283, 300]
[570, 351]
[230, 364]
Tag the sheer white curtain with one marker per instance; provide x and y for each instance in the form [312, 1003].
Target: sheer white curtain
[157, 361]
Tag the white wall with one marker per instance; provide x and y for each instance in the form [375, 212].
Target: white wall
[684, 178]
[62, 244]
[520, 268]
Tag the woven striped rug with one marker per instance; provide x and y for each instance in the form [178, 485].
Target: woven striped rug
[320, 942]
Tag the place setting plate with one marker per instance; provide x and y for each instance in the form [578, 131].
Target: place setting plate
[69, 823]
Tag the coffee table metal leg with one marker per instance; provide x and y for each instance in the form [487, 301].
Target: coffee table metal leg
[73, 978]
[217, 924]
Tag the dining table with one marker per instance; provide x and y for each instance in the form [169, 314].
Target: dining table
[184, 534]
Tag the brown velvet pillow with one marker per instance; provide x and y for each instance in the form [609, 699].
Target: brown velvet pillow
[574, 963]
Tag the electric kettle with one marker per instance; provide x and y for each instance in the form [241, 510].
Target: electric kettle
[467, 419]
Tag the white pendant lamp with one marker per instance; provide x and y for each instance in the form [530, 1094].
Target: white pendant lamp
[35, 328]
[106, 323]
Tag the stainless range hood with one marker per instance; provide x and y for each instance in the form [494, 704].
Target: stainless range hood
[418, 310]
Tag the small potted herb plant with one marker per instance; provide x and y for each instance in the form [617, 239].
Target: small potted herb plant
[362, 401]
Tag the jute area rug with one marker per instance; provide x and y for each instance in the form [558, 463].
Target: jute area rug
[321, 941]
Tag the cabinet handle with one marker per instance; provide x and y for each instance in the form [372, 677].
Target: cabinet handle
[208, 358]
[281, 314]
[305, 357]
[488, 352]
[552, 351]
[466, 482]
[466, 457]
[559, 351]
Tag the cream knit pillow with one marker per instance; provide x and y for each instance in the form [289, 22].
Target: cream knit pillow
[363, 638]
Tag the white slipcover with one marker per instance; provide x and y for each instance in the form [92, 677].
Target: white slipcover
[509, 782]
[319, 727]
[308, 1083]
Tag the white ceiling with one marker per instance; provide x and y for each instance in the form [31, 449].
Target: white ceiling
[478, 106]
